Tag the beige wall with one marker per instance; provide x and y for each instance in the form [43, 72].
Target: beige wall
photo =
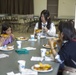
[39, 5]
[66, 8]
[75, 16]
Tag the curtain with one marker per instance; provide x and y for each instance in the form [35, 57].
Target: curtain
[16, 7]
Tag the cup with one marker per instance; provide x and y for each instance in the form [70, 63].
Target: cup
[43, 51]
[38, 36]
[19, 44]
[32, 36]
[21, 65]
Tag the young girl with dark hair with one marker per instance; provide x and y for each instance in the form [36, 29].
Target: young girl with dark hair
[67, 52]
[6, 34]
[45, 24]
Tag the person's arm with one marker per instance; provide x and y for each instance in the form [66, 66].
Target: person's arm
[36, 27]
[55, 54]
[13, 37]
[52, 30]
[1, 41]
[51, 44]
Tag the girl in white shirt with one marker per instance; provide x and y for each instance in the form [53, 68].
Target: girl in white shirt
[48, 28]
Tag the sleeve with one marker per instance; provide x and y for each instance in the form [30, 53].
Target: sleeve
[52, 30]
[36, 27]
[57, 57]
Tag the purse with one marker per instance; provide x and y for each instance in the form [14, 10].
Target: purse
[69, 71]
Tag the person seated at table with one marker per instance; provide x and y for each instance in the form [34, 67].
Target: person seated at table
[67, 52]
[6, 36]
[45, 24]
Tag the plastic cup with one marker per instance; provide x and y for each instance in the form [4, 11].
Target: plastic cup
[43, 51]
[19, 44]
[32, 36]
[38, 36]
[21, 65]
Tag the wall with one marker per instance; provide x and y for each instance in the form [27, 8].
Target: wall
[66, 8]
[39, 5]
[75, 16]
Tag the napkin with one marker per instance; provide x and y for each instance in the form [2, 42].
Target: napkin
[29, 72]
[22, 51]
[48, 58]
[33, 58]
[32, 40]
[30, 48]
[17, 74]
[10, 73]
[3, 55]
[50, 37]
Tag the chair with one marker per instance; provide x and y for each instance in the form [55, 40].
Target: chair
[15, 23]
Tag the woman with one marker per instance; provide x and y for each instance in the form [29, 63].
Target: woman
[6, 34]
[67, 52]
[45, 24]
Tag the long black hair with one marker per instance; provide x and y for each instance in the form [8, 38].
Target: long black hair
[5, 26]
[46, 15]
[68, 30]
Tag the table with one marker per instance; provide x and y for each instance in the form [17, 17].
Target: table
[10, 63]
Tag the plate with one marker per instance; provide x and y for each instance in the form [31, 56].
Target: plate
[51, 69]
[9, 48]
[42, 37]
[22, 38]
[46, 46]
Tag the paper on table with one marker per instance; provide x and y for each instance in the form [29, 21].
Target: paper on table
[32, 40]
[50, 37]
[17, 74]
[29, 72]
[48, 58]
[3, 55]
[30, 48]
[10, 73]
[33, 58]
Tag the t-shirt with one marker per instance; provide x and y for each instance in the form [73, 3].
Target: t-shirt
[51, 31]
[7, 41]
[68, 53]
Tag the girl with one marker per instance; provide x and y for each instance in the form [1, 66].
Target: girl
[6, 34]
[67, 52]
[45, 24]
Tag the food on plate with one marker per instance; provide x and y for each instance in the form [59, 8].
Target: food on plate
[9, 47]
[42, 66]
[48, 52]
[46, 45]
[21, 38]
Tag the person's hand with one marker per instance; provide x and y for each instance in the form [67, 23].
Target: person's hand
[45, 28]
[1, 41]
[12, 36]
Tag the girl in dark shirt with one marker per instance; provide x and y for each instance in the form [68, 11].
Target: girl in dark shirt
[67, 52]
